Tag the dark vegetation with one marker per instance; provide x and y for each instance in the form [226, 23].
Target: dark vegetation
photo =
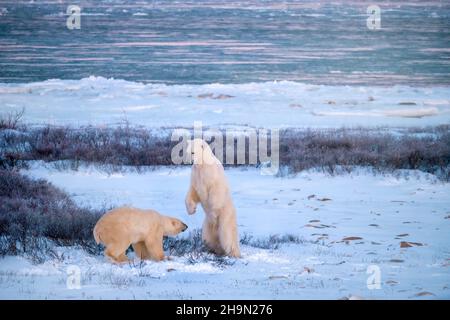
[425, 149]
[35, 215]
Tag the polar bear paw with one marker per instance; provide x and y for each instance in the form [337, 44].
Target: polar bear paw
[191, 207]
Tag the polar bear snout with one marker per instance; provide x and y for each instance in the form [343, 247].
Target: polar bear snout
[174, 226]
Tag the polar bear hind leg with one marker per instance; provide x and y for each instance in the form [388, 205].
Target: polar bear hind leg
[228, 237]
[210, 236]
[116, 252]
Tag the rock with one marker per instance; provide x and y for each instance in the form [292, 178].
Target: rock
[205, 95]
[319, 226]
[222, 96]
[424, 293]
[308, 270]
[351, 238]
[407, 244]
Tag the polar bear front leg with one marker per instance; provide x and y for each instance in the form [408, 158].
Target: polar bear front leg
[154, 245]
[116, 252]
[191, 200]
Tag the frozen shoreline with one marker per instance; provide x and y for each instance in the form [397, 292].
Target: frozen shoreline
[100, 101]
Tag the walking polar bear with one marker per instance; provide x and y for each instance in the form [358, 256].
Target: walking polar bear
[143, 229]
[209, 187]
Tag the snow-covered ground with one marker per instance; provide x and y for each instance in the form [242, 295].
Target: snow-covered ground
[99, 101]
[350, 224]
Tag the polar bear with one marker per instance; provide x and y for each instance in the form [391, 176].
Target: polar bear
[143, 229]
[209, 186]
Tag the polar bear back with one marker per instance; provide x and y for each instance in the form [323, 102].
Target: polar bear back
[127, 224]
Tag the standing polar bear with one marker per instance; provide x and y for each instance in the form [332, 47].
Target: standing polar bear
[143, 229]
[209, 186]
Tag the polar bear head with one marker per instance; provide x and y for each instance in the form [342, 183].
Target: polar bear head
[172, 226]
[200, 152]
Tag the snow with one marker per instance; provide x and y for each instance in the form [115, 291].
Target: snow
[322, 210]
[101, 101]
